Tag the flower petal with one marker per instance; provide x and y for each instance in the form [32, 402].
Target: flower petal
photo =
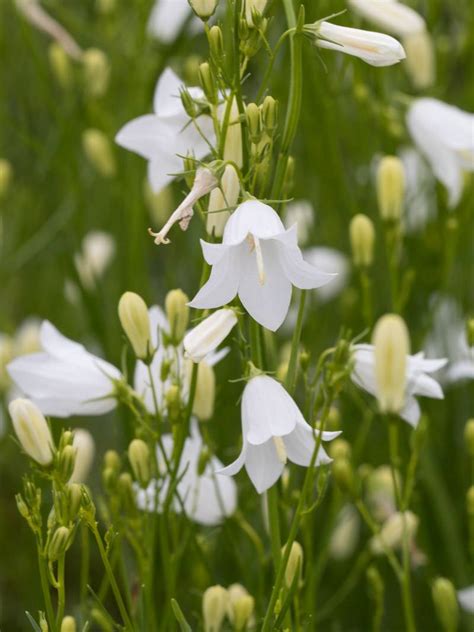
[222, 285]
[255, 218]
[147, 136]
[234, 468]
[263, 465]
[299, 272]
[411, 412]
[166, 100]
[167, 19]
[459, 371]
[300, 445]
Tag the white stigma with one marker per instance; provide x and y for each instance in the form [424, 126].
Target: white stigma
[254, 243]
[280, 449]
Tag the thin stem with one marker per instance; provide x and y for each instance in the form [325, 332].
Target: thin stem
[290, 381]
[61, 590]
[274, 520]
[85, 563]
[46, 592]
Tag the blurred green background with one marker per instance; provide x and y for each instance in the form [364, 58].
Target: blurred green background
[350, 114]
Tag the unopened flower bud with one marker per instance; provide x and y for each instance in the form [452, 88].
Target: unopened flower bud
[127, 494]
[224, 197]
[112, 460]
[22, 507]
[203, 406]
[391, 535]
[106, 6]
[32, 430]
[189, 105]
[139, 457]
[208, 83]
[60, 63]
[392, 346]
[6, 175]
[173, 403]
[84, 446]
[340, 449]
[214, 607]
[254, 122]
[470, 332]
[96, 70]
[420, 60]
[334, 419]
[68, 624]
[270, 115]
[362, 235]
[177, 312]
[74, 499]
[98, 151]
[204, 9]
[67, 459]
[135, 321]
[240, 606]
[233, 138]
[216, 44]
[470, 501]
[446, 603]
[59, 543]
[99, 618]
[254, 8]
[209, 334]
[343, 475]
[469, 437]
[390, 188]
[295, 564]
[375, 581]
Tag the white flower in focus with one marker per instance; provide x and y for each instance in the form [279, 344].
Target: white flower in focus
[301, 213]
[274, 431]
[83, 444]
[260, 261]
[418, 382]
[168, 133]
[207, 498]
[376, 49]
[64, 379]
[466, 599]
[329, 260]
[167, 19]
[390, 16]
[98, 249]
[445, 136]
[209, 334]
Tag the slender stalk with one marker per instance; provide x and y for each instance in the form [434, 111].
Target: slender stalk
[290, 381]
[85, 563]
[274, 520]
[46, 592]
[61, 590]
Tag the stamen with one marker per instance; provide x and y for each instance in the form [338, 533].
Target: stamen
[259, 256]
[280, 449]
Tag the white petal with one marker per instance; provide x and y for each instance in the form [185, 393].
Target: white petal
[411, 412]
[269, 303]
[299, 272]
[459, 371]
[300, 445]
[222, 285]
[234, 468]
[255, 218]
[263, 465]
[211, 499]
[54, 343]
[147, 136]
[167, 101]
[332, 261]
[267, 410]
[213, 253]
[167, 19]
[466, 598]
[425, 385]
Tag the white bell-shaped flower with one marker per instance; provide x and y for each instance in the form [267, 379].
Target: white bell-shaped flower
[445, 135]
[260, 261]
[168, 133]
[418, 382]
[205, 497]
[64, 379]
[274, 431]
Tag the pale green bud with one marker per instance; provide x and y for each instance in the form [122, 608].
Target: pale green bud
[233, 138]
[216, 44]
[270, 115]
[208, 83]
[214, 607]
[173, 402]
[223, 197]
[391, 535]
[135, 321]
[254, 122]
[177, 312]
[254, 9]
[446, 603]
[98, 151]
[240, 606]
[74, 495]
[340, 449]
[362, 236]
[127, 495]
[84, 446]
[470, 501]
[203, 406]
[420, 59]
[32, 430]
[106, 6]
[67, 459]
[390, 188]
[139, 457]
[6, 176]
[470, 332]
[343, 475]
[295, 564]
[59, 543]
[60, 63]
[469, 437]
[112, 460]
[204, 9]
[96, 69]
[68, 624]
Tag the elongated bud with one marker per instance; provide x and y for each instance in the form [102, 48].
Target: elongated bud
[74, 499]
[208, 83]
[240, 606]
[43, 624]
[189, 105]
[420, 61]
[254, 9]
[60, 63]
[446, 603]
[391, 534]
[203, 406]
[96, 70]
[173, 403]
[126, 492]
[469, 437]
[470, 332]
[68, 624]
[254, 122]
[204, 9]
[84, 446]
[216, 44]
[392, 346]
[233, 138]
[209, 334]
[224, 197]
[469, 501]
[343, 475]
[177, 312]
[6, 175]
[390, 188]
[139, 457]
[98, 151]
[362, 236]
[295, 564]
[112, 460]
[270, 115]
[214, 607]
[101, 620]
[67, 459]
[32, 430]
[135, 321]
[59, 543]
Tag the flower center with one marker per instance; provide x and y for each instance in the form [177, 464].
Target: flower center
[280, 449]
[254, 244]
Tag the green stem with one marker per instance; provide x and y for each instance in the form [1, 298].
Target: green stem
[274, 520]
[46, 592]
[291, 375]
[85, 564]
[61, 590]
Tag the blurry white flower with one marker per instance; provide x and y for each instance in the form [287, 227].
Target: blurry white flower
[466, 598]
[168, 133]
[274, 431]
[260, 261]
[420, 193]
[301, 213]
[391, 534]
[209, 334]
[207, 498]
[98, 151]
[445, 136]
[345, 536]
[83, 444]
[32, 430]
[332, 261]
[98, 249]
[26, 339]
[168, 18]
[214, 607]
[389, 15]
[380, 493]
[240, 606]
[417, 380]
[64, 379]
[376, 49]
